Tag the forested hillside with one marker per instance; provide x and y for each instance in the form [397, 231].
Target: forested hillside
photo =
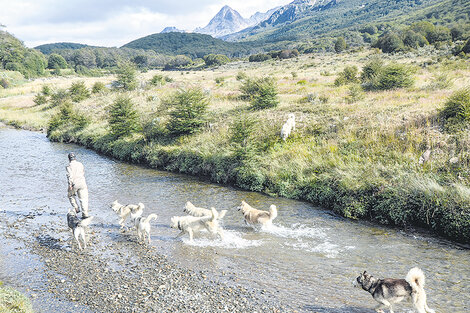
[191, 44]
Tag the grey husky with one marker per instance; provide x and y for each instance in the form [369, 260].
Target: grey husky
[388, 291]
[78, 227]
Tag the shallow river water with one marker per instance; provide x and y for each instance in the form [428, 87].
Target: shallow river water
[308, 259]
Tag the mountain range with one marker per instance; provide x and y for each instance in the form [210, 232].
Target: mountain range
[228, 21]
[301, 22]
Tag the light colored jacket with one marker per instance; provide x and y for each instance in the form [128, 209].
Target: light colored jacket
[76, 175]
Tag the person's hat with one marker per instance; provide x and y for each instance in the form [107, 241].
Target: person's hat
[72, 156]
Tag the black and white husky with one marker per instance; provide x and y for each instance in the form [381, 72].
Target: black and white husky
[77, 226]
[388, 291]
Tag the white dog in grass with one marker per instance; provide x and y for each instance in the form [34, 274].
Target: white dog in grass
[288, 127]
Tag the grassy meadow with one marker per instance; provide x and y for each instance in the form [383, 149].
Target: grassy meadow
[356, 152]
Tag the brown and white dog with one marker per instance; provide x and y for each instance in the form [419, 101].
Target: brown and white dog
[123, 211]
[388, 291]
[193, 224]
[258, 217]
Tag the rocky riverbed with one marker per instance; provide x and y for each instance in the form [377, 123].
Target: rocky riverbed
[117, 274]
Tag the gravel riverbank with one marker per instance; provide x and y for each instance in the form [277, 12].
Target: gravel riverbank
[117, 274]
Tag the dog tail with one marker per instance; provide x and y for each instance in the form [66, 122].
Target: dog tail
[189, 207]
[416, 279]
[150, 217]
[222, 214]
[273, 211]
[86, 221]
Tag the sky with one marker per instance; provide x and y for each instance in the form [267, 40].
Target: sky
[112, 23]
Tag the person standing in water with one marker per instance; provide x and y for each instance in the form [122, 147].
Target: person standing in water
[77, 185]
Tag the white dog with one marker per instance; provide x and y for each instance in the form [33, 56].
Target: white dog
[192, 210]
[193, 224]
[288, 127]
[142, 225]
[77, 226]
[123, 211]
[257, 217]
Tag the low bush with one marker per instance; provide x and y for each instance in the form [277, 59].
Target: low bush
[355, 94]
[66, 119]
[98, 87]
[12, 301]
[40, 99]
[260, 57]
[59, 97]
[158, 80]
[456, 110]
[391, 76]
[347, 76]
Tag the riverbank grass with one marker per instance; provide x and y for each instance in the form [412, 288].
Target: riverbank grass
[12, 301]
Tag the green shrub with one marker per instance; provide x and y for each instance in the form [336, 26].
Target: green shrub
[457, 109]
[98, 87]
[260, 57]
[241, 76]
[395, 76]
[158, 80]
[242, 136]
[123, 117]
[354, 94]
[127, 77]
[261, 92]
[154, 129]
[219, 81]
[46, 90]
[78, 91]
[340, 44]
[347, 76]
[67, 117]
[59, 97]
[389, 42]
[216, 59]
[56, 61]
[372, 70]
[187, 111]
[40, 99]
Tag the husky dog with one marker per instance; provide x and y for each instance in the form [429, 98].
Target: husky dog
[193, 224]
[77, 226]
[288, 126]
[389, 290]
[257, 217]
[142, 225]
[192, 210]
[125, 210]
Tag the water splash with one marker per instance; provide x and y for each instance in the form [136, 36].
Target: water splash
[295, 231]
[232, 240]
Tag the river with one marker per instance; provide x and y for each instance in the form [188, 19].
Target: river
[308, 259]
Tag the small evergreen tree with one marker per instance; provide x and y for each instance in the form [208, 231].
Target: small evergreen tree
[187, 111]
[123, 117]
[98, 87]
[127, 77]
[261, 92]
[78, 91]
[457, 108]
